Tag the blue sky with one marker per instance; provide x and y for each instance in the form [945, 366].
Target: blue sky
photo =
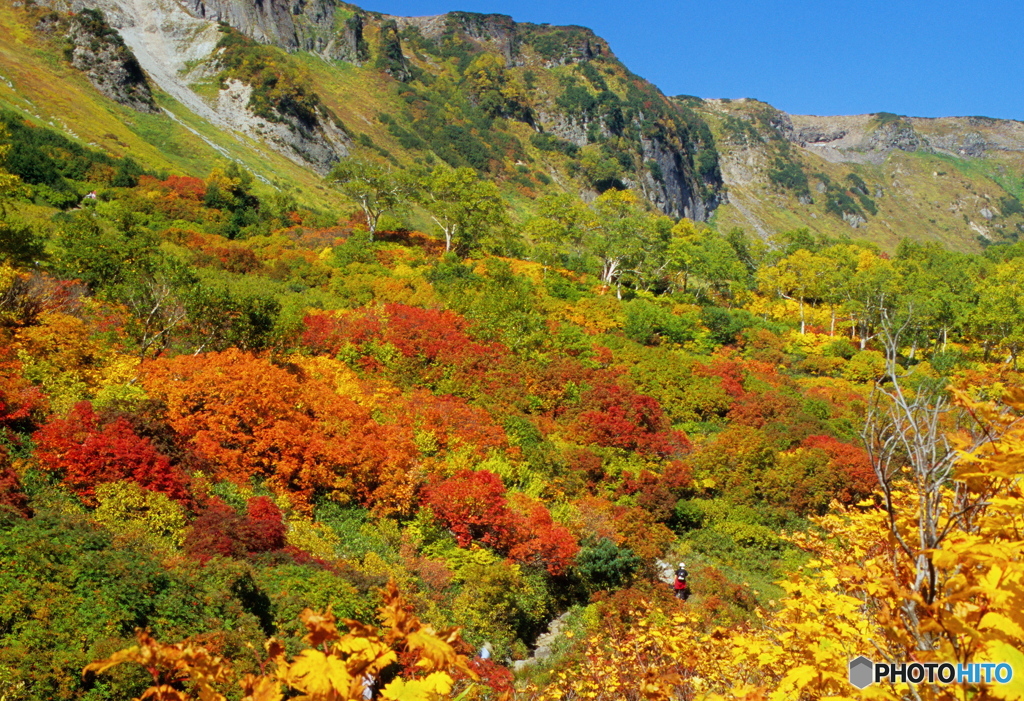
[925, 59]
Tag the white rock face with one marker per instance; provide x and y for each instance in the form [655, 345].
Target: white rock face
[232, 108]
[169, 42]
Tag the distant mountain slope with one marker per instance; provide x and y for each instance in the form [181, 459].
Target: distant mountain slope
[534, 107]
[289, 88]
[882, 177]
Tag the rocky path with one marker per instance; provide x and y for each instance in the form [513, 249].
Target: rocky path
[543, 647]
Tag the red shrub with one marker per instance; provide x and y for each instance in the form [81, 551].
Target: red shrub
[266, 527]
[538, 540]
[621, 418]
[658, 493]
[220, 530]
[586, 463]
[10, 489]
[428, 333]
[322, 333]
[185, 187]
[759, 410]
[20, 400]
[730, 372]
[453, 421]
[325, 333]
[88, 453]
[492, 675]
[473, 506]
[851, 462]
[438, 337]
[234, 258]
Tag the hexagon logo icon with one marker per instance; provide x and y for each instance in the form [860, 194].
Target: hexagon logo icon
[862, 672]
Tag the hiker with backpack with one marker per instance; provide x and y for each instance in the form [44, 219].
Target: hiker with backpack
[681, 586]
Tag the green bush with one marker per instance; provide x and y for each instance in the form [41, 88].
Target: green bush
[647, 323]
[840, 203]
[857, 184]
[864, 366]
[550, 142]
[725, 324]
[73, 596]
[750, 535]
[688, 515]
[789, 175]
[20, 244]
[604, 565]
[840, 348]
[1010, 205]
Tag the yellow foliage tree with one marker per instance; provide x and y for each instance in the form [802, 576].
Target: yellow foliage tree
[335, 666]
[860, 596]
[131, 511]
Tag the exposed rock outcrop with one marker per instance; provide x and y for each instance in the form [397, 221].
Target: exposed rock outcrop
[324, 27]
[175, 47]
[320, 145]
[266, 21]
[390, 57]
[870, 137]
[95, 48]
[670, 187]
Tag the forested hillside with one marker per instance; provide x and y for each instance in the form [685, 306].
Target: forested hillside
[434, 407]
[221, 408]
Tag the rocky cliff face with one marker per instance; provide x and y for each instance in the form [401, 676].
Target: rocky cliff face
[177, 45]
[324, 27]
[870, 137]
[94, 48]
[656, 145]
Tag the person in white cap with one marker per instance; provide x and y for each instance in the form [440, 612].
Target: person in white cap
[681, 587]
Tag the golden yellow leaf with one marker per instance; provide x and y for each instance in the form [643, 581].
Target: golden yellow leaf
[998, 652]
[318, 674]
[321, 627]
[433, 685]
[261, 689]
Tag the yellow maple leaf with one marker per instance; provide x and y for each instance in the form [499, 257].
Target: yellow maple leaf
[435, 684]
[260, 689]
[318, 674]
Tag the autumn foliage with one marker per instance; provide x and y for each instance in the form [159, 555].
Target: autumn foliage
[248, 417]
[331, 667]
[849, 461]
[21, 402]
[620, 418]
[220, 530]
[474, 506]
[87, 451]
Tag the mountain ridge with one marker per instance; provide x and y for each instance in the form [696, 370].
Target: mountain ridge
[555, 109]
[182, 45]
[880, 177]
